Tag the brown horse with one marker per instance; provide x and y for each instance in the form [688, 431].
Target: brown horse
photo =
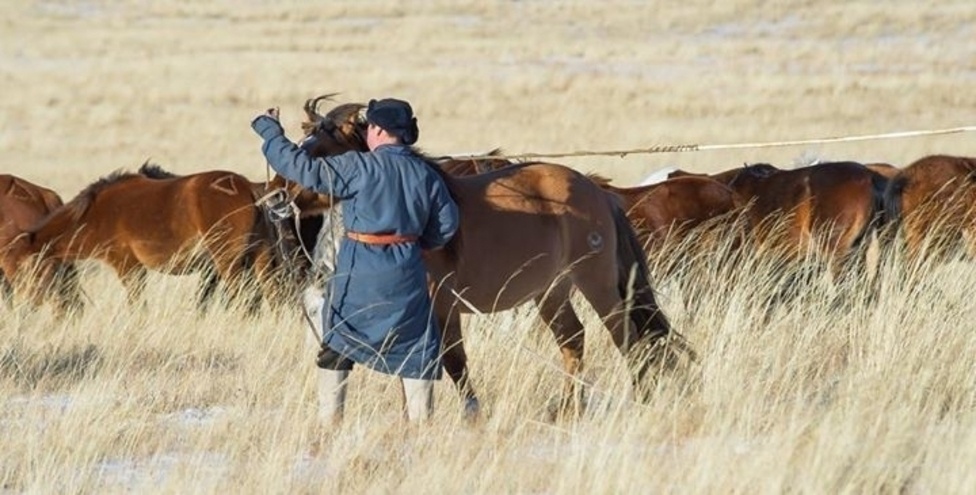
[933, 200]
[22, 204]
[672, 207]
[531, 232]
[174, 225]
[275, 199]
[828, 208]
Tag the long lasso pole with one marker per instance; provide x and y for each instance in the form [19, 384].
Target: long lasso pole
[683, 148]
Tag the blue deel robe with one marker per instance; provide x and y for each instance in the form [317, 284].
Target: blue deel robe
[379, 310]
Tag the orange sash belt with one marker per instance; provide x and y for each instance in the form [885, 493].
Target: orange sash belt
[380, 239]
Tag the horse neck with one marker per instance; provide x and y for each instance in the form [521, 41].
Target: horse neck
[57, 233]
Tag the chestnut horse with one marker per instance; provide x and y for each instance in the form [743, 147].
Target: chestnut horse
[828, 208]
[288, 236]
[933, 199]
[672, 207]
[22, 204]
[174, 225]
[530, 232]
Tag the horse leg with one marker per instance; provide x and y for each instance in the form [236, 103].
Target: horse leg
[636, 329]
[454, 358]
[557, 312]
[207, 289]
[134, 280]
[231, 269]
[267, 277]
[7, 289]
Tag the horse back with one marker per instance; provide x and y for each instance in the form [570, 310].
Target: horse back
[532, 188]
[685, 200]
[167, 211]
[935, 183]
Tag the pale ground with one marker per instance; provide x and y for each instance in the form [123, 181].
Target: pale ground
[876, 400]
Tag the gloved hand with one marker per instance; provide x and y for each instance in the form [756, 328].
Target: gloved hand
[267, 125]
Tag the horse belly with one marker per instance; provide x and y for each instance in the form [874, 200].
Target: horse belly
[167, 256]
[496, 279]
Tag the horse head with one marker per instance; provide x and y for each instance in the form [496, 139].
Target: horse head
[308, 202]
[342, 129]
[43, 277]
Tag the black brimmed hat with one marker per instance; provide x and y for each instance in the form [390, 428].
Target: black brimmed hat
[394, 116]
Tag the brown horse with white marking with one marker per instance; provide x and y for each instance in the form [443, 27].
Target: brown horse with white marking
[933, 199]
[285, 234]
[22, 204]
[531, 232]
[173, 225]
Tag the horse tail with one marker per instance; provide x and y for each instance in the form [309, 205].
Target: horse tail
[879, 208]
[649, 324]
[892, 200]
[876, 233]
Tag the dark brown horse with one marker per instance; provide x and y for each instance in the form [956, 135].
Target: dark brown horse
[828, 208]
[933, 199]
[531, 232]
[345, 126]
[727, 176]
[174, 225]
[22, 204]
[672, 207]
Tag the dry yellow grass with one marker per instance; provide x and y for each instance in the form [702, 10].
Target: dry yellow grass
[816, 398]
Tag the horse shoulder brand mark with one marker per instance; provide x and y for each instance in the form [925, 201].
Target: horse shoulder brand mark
[225, 185]
[595, 240]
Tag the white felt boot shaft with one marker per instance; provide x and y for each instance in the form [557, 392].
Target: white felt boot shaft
[314, 302]
[332, 395]
[419, 399]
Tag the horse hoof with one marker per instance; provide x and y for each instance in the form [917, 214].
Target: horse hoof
[472, 409]
[566, 408]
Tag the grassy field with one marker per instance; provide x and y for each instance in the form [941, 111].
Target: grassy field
[875, 395]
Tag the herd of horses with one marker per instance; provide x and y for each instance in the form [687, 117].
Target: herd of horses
[529, 232]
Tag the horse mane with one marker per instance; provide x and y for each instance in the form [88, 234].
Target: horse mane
[344, 124]
[491, 154]
[449, 180]
[77, 207]
[154, 171]
[760, 169]
[347, 113]
[601, 180]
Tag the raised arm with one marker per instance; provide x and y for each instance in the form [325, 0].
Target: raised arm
[332, 175]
